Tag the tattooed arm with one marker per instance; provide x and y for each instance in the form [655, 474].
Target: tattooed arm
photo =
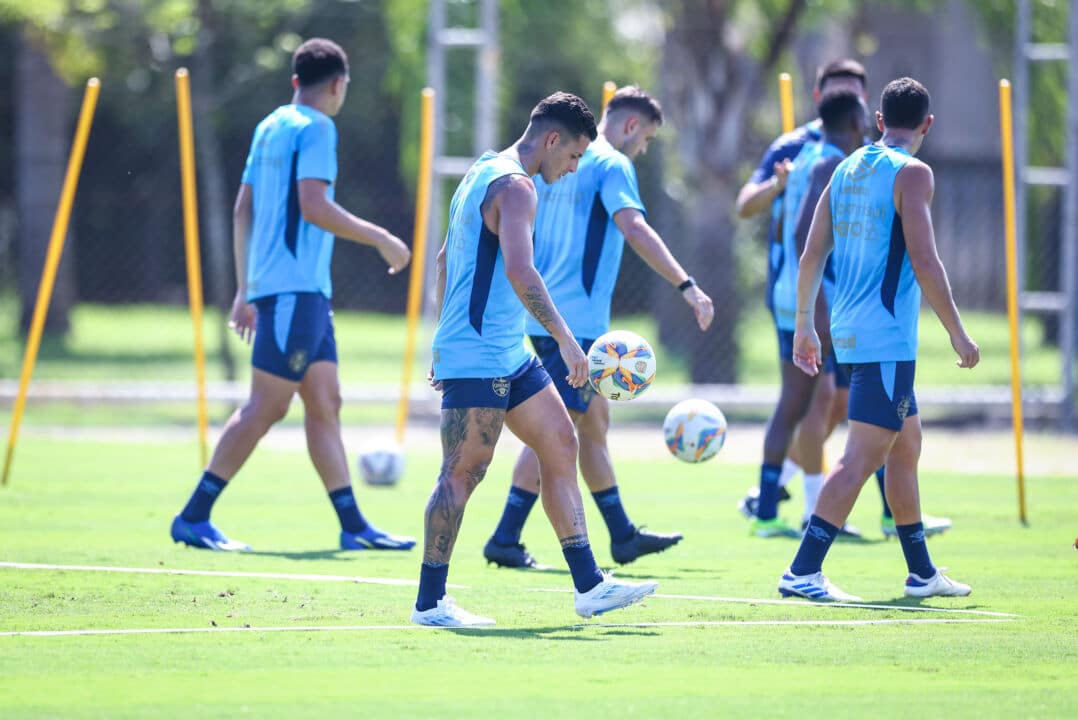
[512, 204]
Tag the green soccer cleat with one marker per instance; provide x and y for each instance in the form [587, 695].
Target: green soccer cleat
[775, 527]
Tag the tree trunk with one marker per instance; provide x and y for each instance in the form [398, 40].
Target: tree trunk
[42, 141]
[212, 181]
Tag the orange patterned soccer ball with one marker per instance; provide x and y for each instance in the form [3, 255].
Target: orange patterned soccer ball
[695, 430]
[621, 365]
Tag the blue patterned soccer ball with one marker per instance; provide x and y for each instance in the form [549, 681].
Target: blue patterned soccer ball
[621, 365]
[694, 430]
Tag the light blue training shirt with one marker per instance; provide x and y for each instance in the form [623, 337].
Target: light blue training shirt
[285, 253]
[877, 298]
[480, 332]
[578, 247]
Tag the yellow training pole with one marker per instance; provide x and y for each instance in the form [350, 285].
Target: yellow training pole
[52, 263]
[786, 101]
[609, 88]
[419, 250]
[190, 237]
[1011, 233]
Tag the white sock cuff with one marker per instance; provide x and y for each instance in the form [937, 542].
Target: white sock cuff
[789, 472]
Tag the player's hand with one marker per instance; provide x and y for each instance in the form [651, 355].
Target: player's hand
[576, 361]
[782, 173]
[807, 351]
[436, 384]
[701, 306]
[394, 252]
[968, 352]
[243, 318]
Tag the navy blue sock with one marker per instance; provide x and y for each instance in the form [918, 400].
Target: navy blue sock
[582, 566]
[883, 495]
[517, 507]
[617, 522]
[915, 549]
[768, 509]
[202, 499]
[814, 546]
[344, 502]
[431, 584]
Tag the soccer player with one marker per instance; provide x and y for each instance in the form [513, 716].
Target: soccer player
[876, 217]
[581, 227]
[486, 279]
[284, 223]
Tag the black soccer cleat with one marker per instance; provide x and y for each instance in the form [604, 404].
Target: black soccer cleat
[510, 556]
[642, 543]
[751, 502]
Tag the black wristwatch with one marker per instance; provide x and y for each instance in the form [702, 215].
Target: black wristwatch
[687, 284]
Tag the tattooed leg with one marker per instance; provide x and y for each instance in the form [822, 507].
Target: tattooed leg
[543, 424]
[468, 439]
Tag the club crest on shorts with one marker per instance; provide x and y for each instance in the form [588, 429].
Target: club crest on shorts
[297, 361]
[500, 386]
[904, 407]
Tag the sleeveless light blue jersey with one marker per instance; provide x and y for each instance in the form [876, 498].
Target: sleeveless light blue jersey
[481, 330]
[578, 247]
[285, 253]
[877, 298]
[784, 292]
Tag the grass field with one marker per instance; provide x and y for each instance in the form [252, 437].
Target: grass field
[110, 503]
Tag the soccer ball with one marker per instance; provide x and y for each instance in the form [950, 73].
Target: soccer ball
[621, 365]
[694, 430]
[381, 462]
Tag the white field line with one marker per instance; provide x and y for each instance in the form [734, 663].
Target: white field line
[809, 603]
[359, 628]
[217, 573]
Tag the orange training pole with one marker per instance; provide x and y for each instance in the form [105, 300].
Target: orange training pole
[419, 251]
[609, 88]
[786, 102]
[190, 237]
[52, 264]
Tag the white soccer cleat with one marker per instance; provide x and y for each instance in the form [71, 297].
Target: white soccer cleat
[447, 614]
[814, 587]
[611, 594]
[939, 585]
[935, 525]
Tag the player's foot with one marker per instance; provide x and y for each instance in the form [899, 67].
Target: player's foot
[933, 525]
[204, 535]
[751, 501]
[642, 543]
[775, 527]
[510, 556]
[814, 587]
[847, 530]
[937, 585]
[611, 594]
[374, 539]
[447, 614]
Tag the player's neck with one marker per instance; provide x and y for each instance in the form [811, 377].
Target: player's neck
[318, 101]
[526, 152]
[908, 140]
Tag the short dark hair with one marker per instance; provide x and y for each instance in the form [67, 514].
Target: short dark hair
[843, 68]
[838, 108]
[318, 59]
[904, 104]
[632, 98]
[567, 112]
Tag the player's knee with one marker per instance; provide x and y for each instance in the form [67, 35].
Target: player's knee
[266, 412]
[325, 405]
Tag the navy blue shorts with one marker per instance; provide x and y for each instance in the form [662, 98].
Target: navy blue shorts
[830, 363]
[881, 393]
[293, 331]
[576, 399]
[503, 393]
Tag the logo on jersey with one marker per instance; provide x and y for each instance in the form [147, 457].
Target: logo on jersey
[500, 386]
[904, 407]
[297, 361]
[861, 171]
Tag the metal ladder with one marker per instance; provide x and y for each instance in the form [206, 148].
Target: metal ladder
[484, 41]
[1063, 301]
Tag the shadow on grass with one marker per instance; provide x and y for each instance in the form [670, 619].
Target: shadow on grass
[335, 554]
[553, 632]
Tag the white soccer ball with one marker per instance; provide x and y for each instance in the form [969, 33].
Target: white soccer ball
[694, 430]
[381, 462]
[621, 365]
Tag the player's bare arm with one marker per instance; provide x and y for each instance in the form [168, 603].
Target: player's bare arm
[244, 316]
[319, 210]
[914, 187]
[807, 351]
[512, 202]
[439, 300]
[819, 179]
[755, 198]
[647, 243]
